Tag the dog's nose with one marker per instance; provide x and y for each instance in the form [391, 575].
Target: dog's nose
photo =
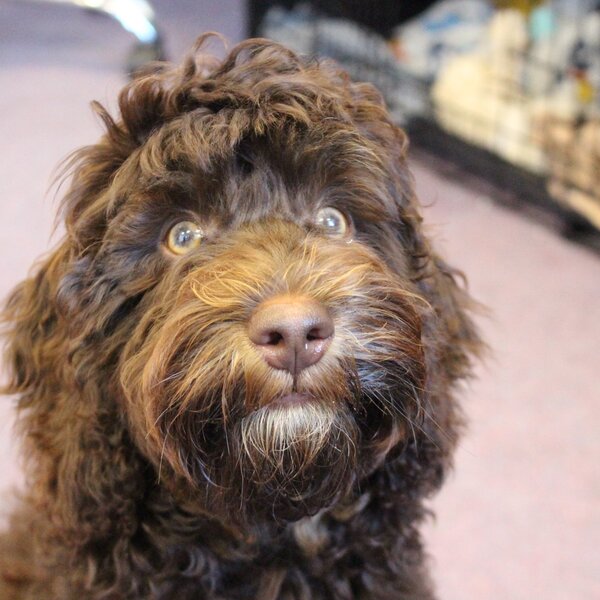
[291, 332]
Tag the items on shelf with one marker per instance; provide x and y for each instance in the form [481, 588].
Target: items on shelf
[362, 52]
[573, 151]
[519, 78]
[448, 28]
[531, 67]
[478, 95]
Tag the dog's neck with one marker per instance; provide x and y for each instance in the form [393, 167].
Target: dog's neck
[183, 524]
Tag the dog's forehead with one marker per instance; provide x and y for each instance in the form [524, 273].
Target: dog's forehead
[207, 163]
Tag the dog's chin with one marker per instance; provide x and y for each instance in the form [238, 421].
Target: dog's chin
[292, 458]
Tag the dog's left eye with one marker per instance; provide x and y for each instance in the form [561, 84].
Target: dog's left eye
[332, 221]
[183, 237]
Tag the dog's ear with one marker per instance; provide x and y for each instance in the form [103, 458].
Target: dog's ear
[84, 472]
[79, 461]
[449, 336]
[451, 344]
[31, 330]
[449, 332]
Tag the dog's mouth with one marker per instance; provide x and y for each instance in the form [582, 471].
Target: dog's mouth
[294, 399]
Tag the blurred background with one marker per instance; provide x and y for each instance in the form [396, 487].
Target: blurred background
[502, 103]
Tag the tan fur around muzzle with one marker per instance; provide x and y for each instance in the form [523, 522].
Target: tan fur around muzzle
[193, 378]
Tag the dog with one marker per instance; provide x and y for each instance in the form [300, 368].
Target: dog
[236, 375]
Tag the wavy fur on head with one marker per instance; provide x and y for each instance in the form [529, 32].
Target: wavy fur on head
[161, 463]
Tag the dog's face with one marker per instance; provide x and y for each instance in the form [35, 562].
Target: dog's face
[245, 284]
[277, 350]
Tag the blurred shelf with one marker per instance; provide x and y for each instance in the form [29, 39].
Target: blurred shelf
[526, 189]
[347, 35]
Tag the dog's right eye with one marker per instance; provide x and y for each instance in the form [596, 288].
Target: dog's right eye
[332, 221]
[183, 237]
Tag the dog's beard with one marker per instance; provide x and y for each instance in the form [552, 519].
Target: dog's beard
[246, 454]
[291, 461]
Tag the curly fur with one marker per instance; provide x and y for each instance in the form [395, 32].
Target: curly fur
[157, 465]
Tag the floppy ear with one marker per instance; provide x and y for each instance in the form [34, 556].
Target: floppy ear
[449, 336]
[84, 475]
[31, 322]
[451, 344]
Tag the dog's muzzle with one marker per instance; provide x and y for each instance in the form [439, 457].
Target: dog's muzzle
[275, 372]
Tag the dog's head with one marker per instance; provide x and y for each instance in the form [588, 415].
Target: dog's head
[244, 310]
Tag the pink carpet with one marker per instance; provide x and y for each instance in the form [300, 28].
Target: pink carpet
[520, 518]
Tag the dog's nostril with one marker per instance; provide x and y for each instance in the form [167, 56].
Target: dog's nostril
[273, 338]
[313, 334]
[322, 332]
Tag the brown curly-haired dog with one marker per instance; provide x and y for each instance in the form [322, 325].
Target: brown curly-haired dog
[235, 374]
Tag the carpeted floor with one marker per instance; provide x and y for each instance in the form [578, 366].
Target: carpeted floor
[520, 518]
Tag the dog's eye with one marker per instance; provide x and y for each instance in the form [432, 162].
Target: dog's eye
[183, 237]
[332, 221]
